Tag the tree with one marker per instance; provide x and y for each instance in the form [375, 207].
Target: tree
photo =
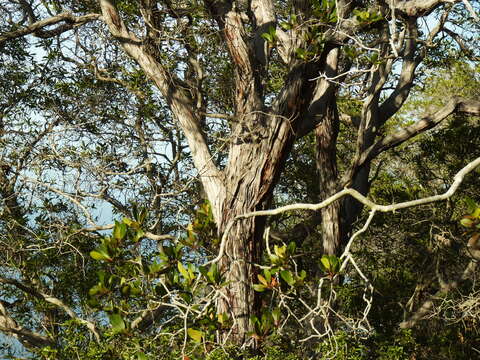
[261, 75]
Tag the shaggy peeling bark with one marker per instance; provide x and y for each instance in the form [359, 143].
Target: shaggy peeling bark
[326, 135]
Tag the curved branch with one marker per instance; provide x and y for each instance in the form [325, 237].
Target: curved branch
[423, 310]
[456, 105]
[417, 8]
[180, 103]
[70, 22]
[52, 300]
[461, 43]
[457, 180]
[28, 338]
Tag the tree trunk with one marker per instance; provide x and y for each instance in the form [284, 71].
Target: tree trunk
[243, 250]
[326, 140]
[260, 139]
[257, 157]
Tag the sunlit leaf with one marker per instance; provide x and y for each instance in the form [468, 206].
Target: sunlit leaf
[100, 256]
[195, 335]
[287, 277]
[262, 280]
[259, 287]
[120, 230]
[467, 222]
[116, 320]
[182, 270]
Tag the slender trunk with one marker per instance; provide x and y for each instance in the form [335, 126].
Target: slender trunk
[326, 135]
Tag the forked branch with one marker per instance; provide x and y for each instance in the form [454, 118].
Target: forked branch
[457, 181]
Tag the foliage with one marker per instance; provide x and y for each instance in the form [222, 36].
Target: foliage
[129, 159]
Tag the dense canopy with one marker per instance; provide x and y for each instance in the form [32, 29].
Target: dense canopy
[232, 179]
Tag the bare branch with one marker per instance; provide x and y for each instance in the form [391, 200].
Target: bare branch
[27, 337]
[427, 306]
[179, 101]
[458, 179]
[456, 105]
[52, 300]
[418, 8]
[264, 19]
[465, 49]
[30, 338]
[70, 22]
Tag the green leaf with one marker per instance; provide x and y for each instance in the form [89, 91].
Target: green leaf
[276, 313]
[213, 274]
[274, 259]
[101, 276]
[286, 25]
[203, 270]
[271, 35]
[291, 248]
[280, 251]
[222, 318]
[118, 325]
[119, 230]
[196, 335]
[135, 288]
[99, 288]
[127, 221]
[259, 287]
[476, 213]
[465, 222]
[301, 54]
[335, 263]
[141, 356]
[100, 255]
[325, 263]
[302, 275]
[138, 235]
[287, 277]
[267, 37]
[182, 270]
[330, 264]
[155, 267]
[125, 290]
[268, 275]
[262, 280]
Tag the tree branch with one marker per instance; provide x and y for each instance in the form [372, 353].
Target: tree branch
[179, 101]
[28, 338]
[70, 20]
[264, 19]
[417, 8]
[457, 180]
[423, 310]
[458, 39]
[456, 105]
[52, 300]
